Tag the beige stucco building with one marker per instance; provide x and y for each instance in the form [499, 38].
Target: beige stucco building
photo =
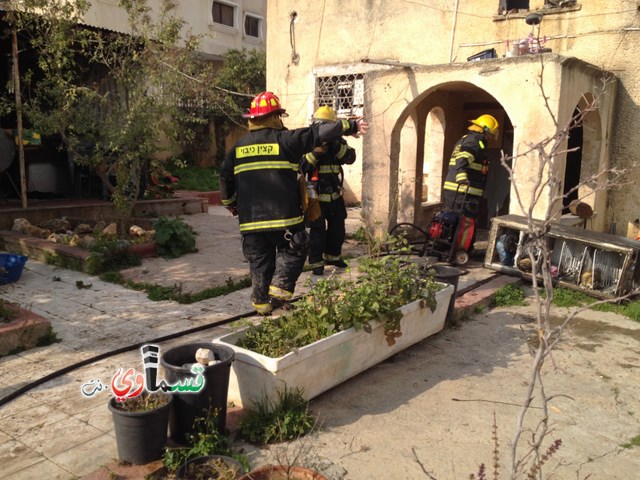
[404, 67]
[224, 24]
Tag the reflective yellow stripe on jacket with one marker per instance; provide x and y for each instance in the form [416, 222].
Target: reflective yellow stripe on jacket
[329, 197]
[329, 169]
[271, 224]
[276, 164]
[463, 188]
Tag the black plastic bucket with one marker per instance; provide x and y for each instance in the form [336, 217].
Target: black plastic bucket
[188, 406]
[450, 275]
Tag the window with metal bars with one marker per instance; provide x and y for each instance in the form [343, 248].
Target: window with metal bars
[344, 93]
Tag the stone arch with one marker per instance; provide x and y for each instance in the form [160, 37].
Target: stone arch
[424, 136]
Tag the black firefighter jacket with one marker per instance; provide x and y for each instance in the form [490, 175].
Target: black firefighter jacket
[259, 175]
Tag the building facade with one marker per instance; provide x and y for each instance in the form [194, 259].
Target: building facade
[419, 71]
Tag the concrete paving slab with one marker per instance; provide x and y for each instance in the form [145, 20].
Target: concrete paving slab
[438, 396]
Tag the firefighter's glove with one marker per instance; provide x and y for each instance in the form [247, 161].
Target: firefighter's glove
[233, 211]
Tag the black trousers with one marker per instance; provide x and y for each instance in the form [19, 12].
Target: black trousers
[328, 232]
[273, 262]
[453, 202]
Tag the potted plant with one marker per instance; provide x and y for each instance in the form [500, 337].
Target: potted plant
[210, 467]
[141, 425]
[341, 328]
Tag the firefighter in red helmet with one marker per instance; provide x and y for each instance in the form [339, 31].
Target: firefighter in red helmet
[259, 184]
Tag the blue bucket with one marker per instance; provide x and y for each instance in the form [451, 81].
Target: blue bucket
[11, 266]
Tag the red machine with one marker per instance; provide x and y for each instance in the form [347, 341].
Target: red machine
[448, 236]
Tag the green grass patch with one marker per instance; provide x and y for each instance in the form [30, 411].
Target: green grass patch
[158, 292]
[509, 296]
[198, 179]
[634, 442]
[564, 297]
[285, 419]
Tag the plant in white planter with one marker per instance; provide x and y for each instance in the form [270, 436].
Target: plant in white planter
[341, 328]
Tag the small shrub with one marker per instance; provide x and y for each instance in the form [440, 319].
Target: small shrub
[111, 254]
[6, 314]
[509, 296]
[174, 237]
[49, 338]
[272, 422]
[205, 440]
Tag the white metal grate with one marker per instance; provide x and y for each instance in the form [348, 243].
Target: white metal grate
[345, 93]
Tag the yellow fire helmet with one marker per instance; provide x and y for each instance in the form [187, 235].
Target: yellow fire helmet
[487, 123]
[325, 114]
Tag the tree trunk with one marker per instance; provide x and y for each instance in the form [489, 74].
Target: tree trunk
[18, 100]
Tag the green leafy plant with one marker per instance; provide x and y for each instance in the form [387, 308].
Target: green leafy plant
[174, 237]
[509, 295]
[205, 440]
[198, 179]
[273, 422]
[109, 253]
[334, 304]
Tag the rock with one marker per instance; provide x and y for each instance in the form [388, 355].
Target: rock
[20, 225]
[111, 229]
[136, 231]
[83, 229]
[99, 227]
[56, 225]
[204, 356]
[75, 240]
[86, 242]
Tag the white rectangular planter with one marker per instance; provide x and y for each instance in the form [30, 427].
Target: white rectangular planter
[317, 367]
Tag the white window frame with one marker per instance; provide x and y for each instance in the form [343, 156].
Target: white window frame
[222, 26]
[260, 26]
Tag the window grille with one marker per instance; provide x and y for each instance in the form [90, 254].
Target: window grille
[344, 93]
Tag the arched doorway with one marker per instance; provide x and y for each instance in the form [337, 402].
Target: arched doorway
[430, 127]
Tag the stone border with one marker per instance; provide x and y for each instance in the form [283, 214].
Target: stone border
[23, 332]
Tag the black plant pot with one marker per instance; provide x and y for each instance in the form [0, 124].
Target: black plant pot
[213, 396]
[141, 436]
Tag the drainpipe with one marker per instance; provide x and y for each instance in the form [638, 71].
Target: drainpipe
[453, 30]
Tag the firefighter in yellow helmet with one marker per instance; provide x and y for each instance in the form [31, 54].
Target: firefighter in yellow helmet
[323, 169]
[468, 167]
[259, 184]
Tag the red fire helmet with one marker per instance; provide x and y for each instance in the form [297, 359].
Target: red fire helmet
[263, 104]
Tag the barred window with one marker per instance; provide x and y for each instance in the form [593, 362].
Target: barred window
[345, 93]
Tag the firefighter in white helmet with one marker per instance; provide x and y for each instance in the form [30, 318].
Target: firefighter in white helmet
[258, 183]
[323, 167]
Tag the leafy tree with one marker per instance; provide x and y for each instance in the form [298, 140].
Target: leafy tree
[119, 103]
